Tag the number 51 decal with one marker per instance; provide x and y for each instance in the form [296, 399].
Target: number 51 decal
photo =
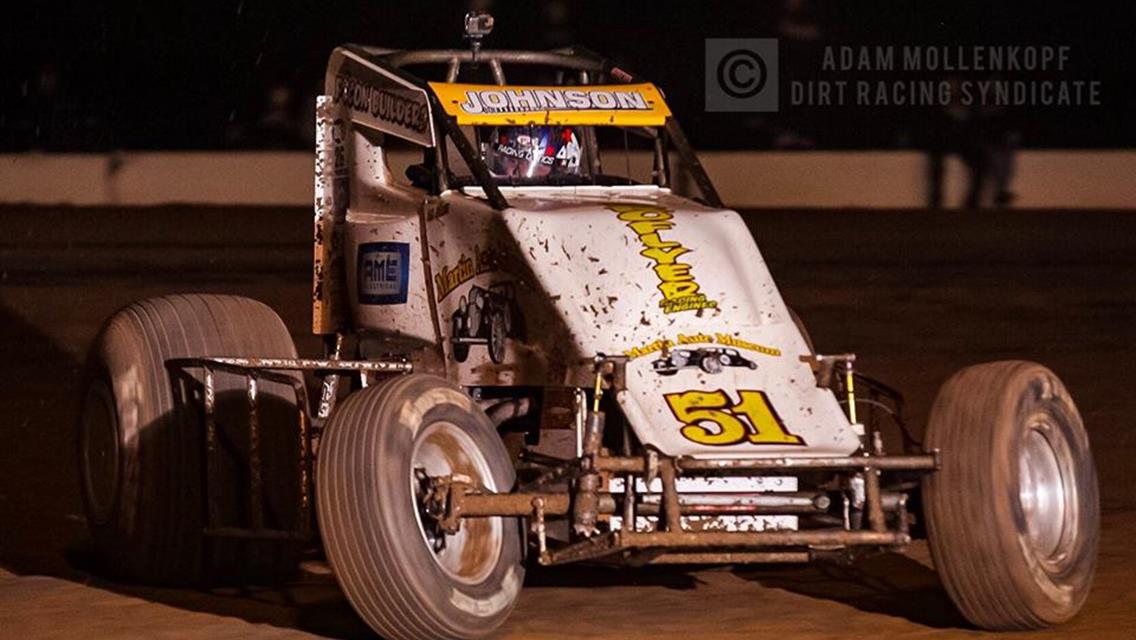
[712, 418]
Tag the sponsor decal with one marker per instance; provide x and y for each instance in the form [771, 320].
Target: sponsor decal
[399, 107]
[708, 359]
[681, 292]
[725, 339]
[486, 316]
[378, 98]
[613, 105]
[384, 272]
[450, 278]
[525, 100]
[713, 418]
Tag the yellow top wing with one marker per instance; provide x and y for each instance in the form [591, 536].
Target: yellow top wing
[628, 105]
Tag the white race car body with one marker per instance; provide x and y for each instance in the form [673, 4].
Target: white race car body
[633, 271]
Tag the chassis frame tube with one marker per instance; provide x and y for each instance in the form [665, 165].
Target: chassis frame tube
[255, 370]
[750, 539]
[484, 505]
[733, 557]
[924, 462]
[712, 546]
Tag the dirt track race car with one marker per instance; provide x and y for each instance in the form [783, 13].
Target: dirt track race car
[428, 474]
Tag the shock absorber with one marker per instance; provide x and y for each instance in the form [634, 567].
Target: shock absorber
[586, 502]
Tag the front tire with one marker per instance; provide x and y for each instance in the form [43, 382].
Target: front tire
[405, 578]
[1012, 515]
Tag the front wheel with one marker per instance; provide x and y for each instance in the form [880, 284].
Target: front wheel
[1012, 515]
[405, 577]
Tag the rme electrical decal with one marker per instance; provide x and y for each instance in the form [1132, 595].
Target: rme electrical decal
[384, 272]
[677, 284]
[386, 104]
[529, 100]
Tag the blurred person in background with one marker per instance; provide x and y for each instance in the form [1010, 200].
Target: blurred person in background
[954, 129]
[278, 126]
[1003, 138]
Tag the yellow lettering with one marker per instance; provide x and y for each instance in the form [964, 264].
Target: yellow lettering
[704, 419]
[674, 272]
[650, 226]
[709, 418]
[673, 290]
[653, 241]
[767, 427]
[680, 291]
[640, 214]
[664, 255]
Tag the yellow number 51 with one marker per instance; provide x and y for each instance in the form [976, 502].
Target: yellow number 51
[711, 418]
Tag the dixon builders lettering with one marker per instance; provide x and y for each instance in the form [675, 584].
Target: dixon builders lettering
[396, 106]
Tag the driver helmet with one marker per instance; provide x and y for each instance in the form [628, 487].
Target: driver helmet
[532, 151]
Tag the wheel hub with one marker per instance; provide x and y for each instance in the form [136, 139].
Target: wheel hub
[469, 554]
[1044, 493]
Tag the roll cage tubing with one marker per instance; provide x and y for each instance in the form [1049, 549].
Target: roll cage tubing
[571, 59]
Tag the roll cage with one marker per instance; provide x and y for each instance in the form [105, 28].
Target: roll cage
[381, 94]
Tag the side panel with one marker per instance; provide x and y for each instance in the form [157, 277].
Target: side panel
[386, 282]
[383, 260]
[499, 326]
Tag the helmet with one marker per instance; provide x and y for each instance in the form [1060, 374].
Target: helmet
[528, 152]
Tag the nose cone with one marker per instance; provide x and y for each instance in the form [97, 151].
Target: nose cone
[683, 292]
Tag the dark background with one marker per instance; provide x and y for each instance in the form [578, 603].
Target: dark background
[82, 75]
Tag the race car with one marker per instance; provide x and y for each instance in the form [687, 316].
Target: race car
[575, 208]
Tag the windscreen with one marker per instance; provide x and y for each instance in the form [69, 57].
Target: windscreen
[564, 155]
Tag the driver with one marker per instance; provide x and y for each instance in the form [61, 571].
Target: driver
[533, 151]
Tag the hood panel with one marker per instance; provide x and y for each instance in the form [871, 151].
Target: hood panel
[682, 290]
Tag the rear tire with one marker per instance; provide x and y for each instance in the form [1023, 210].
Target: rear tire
[140, 441]
[405, 579]
[1013, 513]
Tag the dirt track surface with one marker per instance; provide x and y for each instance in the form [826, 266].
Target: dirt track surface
[916, 295]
